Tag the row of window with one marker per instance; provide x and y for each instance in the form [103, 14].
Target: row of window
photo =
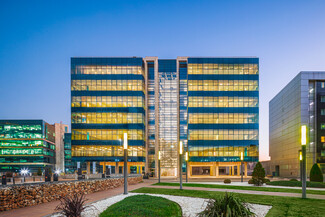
[224, 101]
[222, 85]
[107, 151]
[22, 143]
[108, 70]
[20, 127]
[107, 118]
[107, 85]
[222, 118]
[107, 101]
[106, 134]
[21, 135]
[217, 151]
[223, 134]
[25, 151]
[231, 69]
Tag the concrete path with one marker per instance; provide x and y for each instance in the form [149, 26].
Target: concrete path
[314, 196]
[49, 208]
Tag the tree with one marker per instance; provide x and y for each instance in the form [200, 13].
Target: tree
[258, 174]
[39, 171]
[316, 174]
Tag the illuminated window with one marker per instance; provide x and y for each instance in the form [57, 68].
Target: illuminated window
[322, 138]
[322, 126]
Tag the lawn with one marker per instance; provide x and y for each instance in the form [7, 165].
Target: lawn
[143, 205]
[252, 188]
[281, 206]
[297, 184]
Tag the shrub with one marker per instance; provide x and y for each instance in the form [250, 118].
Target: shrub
[266, 180]
[250, 181]
[39, 171]
[227, 205]
[227, 181]
[258, 174]
[72, 205]
[316, 174]
[293, 180]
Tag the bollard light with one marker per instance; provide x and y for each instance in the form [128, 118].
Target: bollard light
[159, 157]
[303, 132]
[186, 159]
[125, 145]
[241, 165]
[180, 165]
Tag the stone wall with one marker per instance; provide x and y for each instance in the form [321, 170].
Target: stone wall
[19, 196]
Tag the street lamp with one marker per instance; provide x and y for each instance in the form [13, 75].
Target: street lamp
[180, 164]
[241, 165]
[303, 148]
[159, 157]
[186, 159]
[125, 146]
[24, 172]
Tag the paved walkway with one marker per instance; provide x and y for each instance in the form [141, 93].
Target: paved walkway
[49, 208]
[315, 196]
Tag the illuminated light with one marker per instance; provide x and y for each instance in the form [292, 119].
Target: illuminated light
[24, 171]
[159, 155]
[125, 141]
[186, 156]
[300, 155]
[58, 171]
[241, 156]
[180, 147]
[303, 135]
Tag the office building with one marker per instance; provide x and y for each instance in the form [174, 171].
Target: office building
[300, 102]
[68, 164]
[210, 104]
[26, 144]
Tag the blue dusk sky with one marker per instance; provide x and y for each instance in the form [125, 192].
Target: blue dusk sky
[38, 38]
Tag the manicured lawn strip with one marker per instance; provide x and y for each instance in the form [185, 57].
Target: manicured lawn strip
[252, 188]
[281, 206]
[143, 205]
[297, 184]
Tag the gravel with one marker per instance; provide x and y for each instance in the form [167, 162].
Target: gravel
[191, 206]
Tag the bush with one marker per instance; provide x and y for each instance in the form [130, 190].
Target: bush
[258, 174]
[250, 181]
[316, 174]
[293, 180]
[227, 181]
[266, 180]
[227, 205]
[72, 205]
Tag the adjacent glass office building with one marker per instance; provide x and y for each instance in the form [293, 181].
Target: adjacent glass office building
[210, 104]
[26, 144]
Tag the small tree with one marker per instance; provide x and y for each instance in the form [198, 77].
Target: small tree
[316, 174]
[258, 174]
[39, 171]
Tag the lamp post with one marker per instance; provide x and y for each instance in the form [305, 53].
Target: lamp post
[303, 148]
[186, 159]
[125, 146]
[241, 165]
[159, 157]
[300, 161]
[180, 165]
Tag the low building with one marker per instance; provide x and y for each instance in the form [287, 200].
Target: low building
[68, 164]
[300, 102]
[27, 144]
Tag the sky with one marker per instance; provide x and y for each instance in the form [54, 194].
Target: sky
[37, 39]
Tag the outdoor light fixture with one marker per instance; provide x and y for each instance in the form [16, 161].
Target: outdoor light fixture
[180, 165]
[125, 145]
[186, 159]
[24, 172]
[159, 157]
[58, 171]
[186, 156]
[241, 165]
[302, 157]
[180, 147]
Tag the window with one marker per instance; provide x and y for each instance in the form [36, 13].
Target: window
[322, 111]
[322, 126]
[322, 138]
[322, 98]
[323, 84]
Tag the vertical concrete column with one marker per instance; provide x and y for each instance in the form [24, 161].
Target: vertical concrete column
[245, 169]
[88, 168]
[104, 167]
[116, 168]
[238, 170]
[94, 167]
[217, 171]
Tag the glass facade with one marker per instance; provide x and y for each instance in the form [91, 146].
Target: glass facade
[107, 100]
[210, 104]
[26, 144]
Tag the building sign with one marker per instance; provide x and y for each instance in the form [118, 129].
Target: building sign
[21, 151]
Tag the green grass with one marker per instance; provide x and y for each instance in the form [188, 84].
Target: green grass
[281, 206]
[297, 184]
[251, 188]
[143, 205]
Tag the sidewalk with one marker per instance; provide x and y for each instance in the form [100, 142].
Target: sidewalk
[282, 194]
[49, 208]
